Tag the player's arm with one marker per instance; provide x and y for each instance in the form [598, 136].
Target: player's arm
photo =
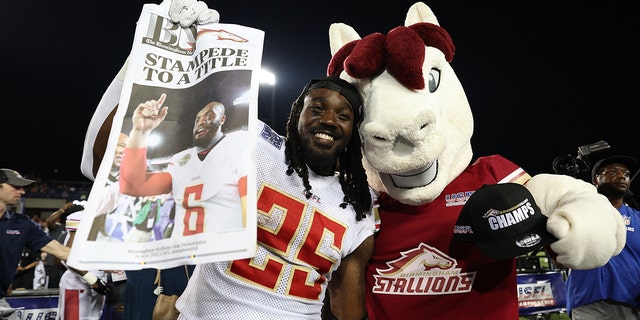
[347, 286]
[134, 179]
[53, 218]
[31, 265]
[57, 249]
[62, 252]
[95, 282]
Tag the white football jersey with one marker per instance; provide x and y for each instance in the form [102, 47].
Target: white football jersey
[208, 196]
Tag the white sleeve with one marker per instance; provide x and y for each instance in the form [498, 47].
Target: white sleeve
[109, 101]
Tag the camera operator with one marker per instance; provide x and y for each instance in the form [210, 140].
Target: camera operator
[613, 290]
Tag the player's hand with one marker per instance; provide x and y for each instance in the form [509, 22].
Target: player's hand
[101, 287]
[66, 206]
[71, 209]
[188, 12]
[148, 115]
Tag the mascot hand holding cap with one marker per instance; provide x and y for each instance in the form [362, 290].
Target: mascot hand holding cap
[416, 140]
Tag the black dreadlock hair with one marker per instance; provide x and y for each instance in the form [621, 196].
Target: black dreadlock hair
[352, 175]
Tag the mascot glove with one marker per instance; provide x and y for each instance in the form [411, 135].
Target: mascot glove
[589, 229]
[188, 12]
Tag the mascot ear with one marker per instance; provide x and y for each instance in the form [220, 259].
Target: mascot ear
[339, 35]
[342, 39]
[420, 12]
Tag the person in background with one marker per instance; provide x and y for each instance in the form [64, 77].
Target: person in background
[140, 294]
[37, 219]
[77, 299]
[613, 290]
[110, 225]
[18, 231]
[25, 272]
[57, 231]
[40, 273]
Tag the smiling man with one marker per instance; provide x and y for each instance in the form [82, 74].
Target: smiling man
[315, 227]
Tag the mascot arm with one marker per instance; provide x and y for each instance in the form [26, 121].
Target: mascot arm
[588, 227]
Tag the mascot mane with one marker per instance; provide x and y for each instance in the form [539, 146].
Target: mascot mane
[402, 52]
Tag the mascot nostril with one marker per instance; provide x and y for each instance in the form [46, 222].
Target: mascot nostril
[403, 147]
[423, 181]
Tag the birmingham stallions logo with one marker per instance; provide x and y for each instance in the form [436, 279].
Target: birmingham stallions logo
[424, 270]
[168, 35]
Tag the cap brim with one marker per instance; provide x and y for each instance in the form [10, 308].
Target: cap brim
[20, 182]
[629, 162]
[516, 246]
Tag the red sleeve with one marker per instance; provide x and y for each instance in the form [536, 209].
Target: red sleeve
[134, 179]
[242, 186]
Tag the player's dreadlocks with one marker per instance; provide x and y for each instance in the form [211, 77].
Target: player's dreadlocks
[352, 174]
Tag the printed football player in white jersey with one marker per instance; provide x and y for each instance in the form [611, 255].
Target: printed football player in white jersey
[315, 230]
[208, 180]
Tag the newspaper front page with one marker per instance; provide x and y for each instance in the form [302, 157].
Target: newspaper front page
[190, 208]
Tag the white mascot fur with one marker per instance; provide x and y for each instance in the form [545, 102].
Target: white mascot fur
[416, 134]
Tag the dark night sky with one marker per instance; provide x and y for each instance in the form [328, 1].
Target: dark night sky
[543, 78]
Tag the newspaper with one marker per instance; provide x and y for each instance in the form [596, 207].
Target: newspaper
[172, 225]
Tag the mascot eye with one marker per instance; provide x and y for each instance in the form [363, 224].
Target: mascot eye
[434, 79]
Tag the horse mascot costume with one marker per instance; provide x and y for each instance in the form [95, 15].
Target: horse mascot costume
[416, 134]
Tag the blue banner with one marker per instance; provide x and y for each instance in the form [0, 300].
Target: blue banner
[541, 293]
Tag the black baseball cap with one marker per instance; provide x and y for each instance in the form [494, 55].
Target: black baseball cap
[630, 162]
[14, 178]
[341, 86]
[504, 221]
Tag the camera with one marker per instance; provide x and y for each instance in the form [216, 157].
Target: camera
[570, 165]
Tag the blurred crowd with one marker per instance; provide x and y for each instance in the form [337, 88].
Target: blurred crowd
[53, 189]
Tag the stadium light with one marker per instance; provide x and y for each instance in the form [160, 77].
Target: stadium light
[269, 78]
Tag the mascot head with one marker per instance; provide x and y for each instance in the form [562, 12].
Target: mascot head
[417, 124]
